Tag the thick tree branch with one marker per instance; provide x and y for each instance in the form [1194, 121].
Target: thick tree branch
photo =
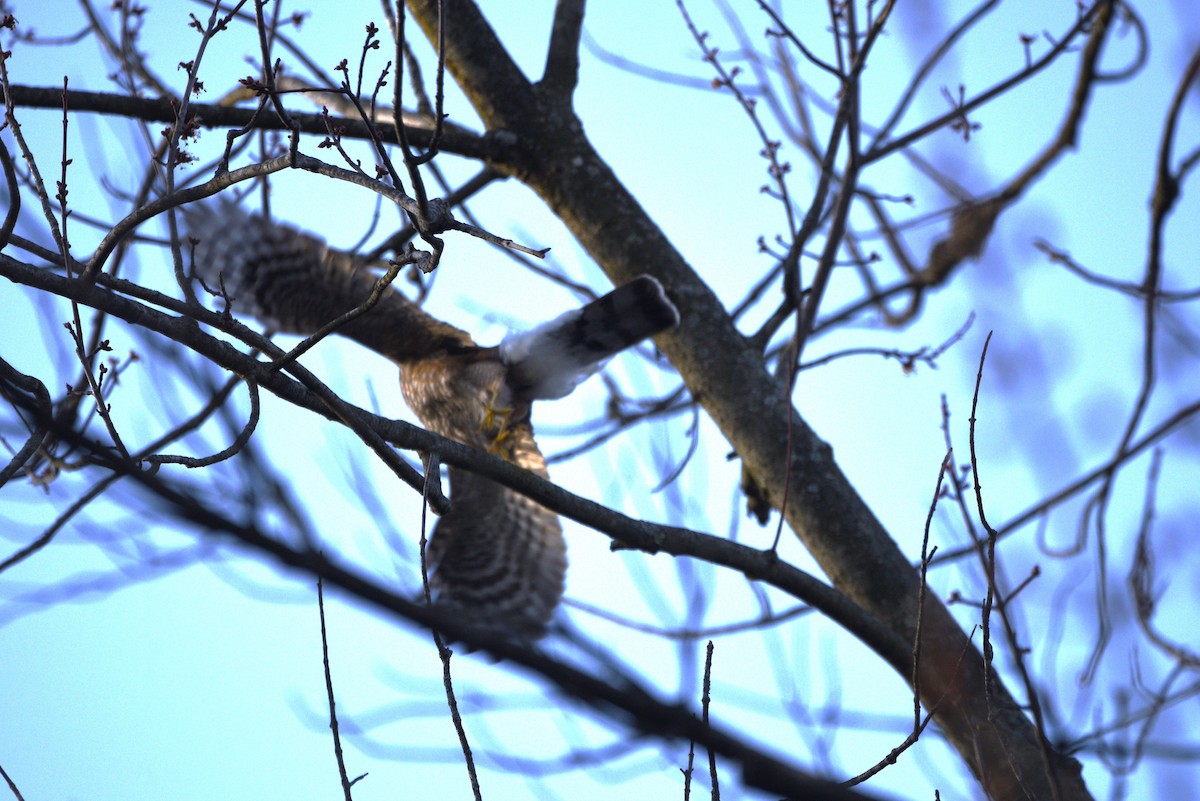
[453, 140]
[561, 75]
[623, 701]
[727, 376]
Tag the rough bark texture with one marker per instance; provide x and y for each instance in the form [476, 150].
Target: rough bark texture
[728, 377]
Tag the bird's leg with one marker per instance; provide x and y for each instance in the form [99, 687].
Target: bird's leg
[495, 423]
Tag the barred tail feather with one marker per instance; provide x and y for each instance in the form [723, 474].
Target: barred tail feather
[549, 361]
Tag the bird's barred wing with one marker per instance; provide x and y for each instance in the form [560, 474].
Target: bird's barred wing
[295, 283]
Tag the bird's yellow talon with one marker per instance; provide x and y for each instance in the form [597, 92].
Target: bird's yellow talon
[496, 419]
[497, 446]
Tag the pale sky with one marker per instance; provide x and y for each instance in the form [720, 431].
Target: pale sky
[145, 660]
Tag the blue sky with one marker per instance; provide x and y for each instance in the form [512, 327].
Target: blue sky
[184, 676]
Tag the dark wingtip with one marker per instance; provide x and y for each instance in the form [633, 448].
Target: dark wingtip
[658, 307]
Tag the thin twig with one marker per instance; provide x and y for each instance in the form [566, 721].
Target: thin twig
[998, 599]
[705, 699]
[11, 784]
[333, 721]
[432, 469]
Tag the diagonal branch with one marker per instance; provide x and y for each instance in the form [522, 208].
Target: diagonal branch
[308, 392]
[622, 700]
[723, 371]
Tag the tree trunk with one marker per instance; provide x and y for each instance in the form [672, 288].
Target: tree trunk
[729, 378]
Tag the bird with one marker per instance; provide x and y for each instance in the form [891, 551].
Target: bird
[496, 558]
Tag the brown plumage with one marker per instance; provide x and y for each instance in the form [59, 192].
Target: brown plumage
[496, 555]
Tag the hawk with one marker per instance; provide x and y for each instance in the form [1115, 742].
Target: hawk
[496, 556]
